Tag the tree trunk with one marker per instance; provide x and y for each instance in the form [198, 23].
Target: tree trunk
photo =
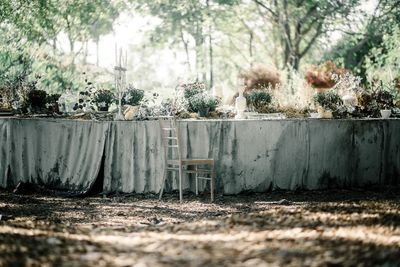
[55, 44]
[251, 47]
[200, 70]
[294, 61]
[72, 48]
[71, 44]
[186, 46]
[85, 52]
[211, 61]
[97, 51]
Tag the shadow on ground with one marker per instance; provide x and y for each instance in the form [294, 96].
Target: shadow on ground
[311, 228]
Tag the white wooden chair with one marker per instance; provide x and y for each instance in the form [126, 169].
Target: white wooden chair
[175, 162]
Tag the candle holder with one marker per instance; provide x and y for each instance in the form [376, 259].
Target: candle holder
[120, 80]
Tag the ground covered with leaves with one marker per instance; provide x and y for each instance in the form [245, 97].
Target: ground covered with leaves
[314, 228]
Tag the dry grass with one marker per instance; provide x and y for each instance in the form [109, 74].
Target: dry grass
[326, 228]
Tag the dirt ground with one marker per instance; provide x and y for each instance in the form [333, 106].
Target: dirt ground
[309, 228]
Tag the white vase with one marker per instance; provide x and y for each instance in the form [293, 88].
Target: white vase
[385, 113]
[240, 106]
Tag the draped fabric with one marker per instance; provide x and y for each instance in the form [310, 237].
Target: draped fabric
[250, 155]
[60, 154]
[4, 151]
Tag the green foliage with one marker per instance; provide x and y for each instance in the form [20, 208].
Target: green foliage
[191, 89]
[372, 101]
[299, 24]
[203, 101]
[259, 99]
[383, 63]
[384, 99]
[362, 49]
[329, 100]
[28, 43]
[132, 96]
[103, 98]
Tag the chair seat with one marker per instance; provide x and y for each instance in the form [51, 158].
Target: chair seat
[192, 161]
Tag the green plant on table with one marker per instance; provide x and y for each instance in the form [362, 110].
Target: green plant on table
[132, 96]
[259, 99]
[103, 99]
[190, 90]
[203, 102]
[329, 100]
[384, 99]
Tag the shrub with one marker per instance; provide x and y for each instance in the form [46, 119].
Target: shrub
[260, 77]
[328, 100]
[259, 99]
[322, 76]
[132, 96]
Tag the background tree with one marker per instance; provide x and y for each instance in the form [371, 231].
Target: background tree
[300, 23]
[356, 47]
[186, 23]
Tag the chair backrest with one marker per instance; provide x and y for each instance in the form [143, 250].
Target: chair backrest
[170, 137]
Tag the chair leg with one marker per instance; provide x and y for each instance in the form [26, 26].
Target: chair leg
[181, 183]
[163, 183]
[197, 181]
[212, 183]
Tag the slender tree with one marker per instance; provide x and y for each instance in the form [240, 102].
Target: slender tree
[301, 22]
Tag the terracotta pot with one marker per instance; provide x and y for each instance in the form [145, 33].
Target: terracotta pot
[324, 114]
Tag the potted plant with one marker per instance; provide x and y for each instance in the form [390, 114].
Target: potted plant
[328, 102]
[190, 90]
[103, 99]
[132, 96]
[52, 102]
[259, 99]
[384, 100]
[202, 103]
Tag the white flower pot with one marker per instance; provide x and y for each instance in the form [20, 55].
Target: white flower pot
[385, 113]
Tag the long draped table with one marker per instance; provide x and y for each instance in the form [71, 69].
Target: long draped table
[251, 155]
